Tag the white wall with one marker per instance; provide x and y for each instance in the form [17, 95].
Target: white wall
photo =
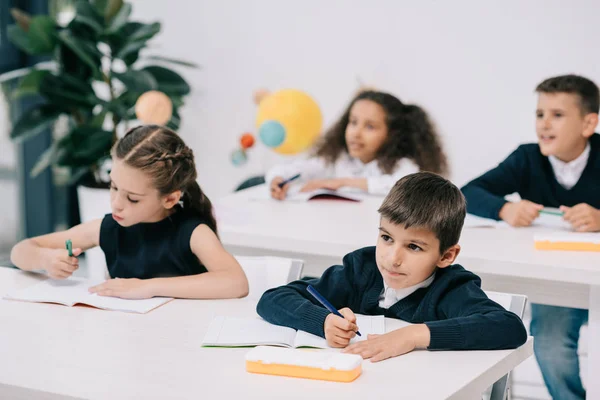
[472, 64]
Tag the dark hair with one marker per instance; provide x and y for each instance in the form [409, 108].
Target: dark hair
[589, 96]
[162, 154]
[410, 135]
[427, 200]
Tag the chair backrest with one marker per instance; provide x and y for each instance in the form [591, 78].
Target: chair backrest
[516, 304]
[265, 273]
[512, 302]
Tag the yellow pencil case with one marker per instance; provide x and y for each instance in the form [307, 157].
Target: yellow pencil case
[568, 241]
[323, 365]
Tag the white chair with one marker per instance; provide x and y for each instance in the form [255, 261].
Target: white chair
[265, 273]
[516, 304]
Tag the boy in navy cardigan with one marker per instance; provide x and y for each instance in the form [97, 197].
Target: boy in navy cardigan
[561, 170]
[408, 275]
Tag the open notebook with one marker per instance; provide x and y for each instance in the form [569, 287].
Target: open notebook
[351, 194]
[240, 332]
[554, 222]
[75, 291]
[326, 194]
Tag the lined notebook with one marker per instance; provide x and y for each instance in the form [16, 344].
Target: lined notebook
[73, 291]
[241, 332]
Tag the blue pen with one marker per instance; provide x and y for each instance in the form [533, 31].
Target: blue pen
[282, 184]
[325, 303]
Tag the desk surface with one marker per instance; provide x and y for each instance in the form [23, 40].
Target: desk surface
[334, 228]
[87, 353]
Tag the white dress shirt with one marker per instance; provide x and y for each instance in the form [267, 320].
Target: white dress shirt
[568, 173]
[390, 296]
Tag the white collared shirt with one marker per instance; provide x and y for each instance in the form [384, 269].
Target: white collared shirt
[378, 182]
[568, 173]
[390, 296]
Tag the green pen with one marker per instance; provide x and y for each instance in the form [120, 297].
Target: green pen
[552, 211]
[69, 245]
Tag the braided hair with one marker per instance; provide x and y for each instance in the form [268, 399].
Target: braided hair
[162, 154]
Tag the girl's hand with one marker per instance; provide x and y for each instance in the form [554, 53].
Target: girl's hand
[331, 184]
[277, 192]
[60, 265]
[124, 288]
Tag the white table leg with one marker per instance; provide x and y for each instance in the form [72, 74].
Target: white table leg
[593, 383]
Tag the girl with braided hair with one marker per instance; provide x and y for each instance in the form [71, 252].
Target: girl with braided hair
[161, 238]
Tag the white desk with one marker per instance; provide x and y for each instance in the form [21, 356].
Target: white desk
[324, 231]
[55, 352]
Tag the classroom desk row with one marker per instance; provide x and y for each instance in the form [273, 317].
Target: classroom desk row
[322, 232]
[55, 352]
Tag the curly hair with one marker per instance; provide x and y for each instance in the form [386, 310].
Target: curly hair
[410, 135]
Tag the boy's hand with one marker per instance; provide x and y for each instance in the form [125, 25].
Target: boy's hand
[60, 265]
[583, 217]
[392, 344]
[519, 214]
[339, 331]
[277, 192]
[124, 288]
[331, 184]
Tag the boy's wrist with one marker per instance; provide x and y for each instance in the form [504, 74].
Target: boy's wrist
[503, 210]
[420, 335]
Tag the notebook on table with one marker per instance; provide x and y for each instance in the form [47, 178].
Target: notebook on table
[245, 332]
[72, 291]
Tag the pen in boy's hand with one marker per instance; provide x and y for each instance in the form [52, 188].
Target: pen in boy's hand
[282, 184]
[325, 303]
[552, 211]
[69, 246]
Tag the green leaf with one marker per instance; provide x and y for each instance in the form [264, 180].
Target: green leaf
[112, 8]
[68, 91]
[49, 157]
[77, 174]
[139, 81]
[120, 19]
[85, 145]
[85, 14]
[30, 84]
[98, 119]
[34, 121]
[129, 50]
[82, 49]
[169, 82]
[174, 61]
[20, 38]
[177, 101]
[144, 32]
[175, 121]
[42, 34]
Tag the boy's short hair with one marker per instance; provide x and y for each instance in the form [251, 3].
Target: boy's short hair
[427, 200]
[589, 95]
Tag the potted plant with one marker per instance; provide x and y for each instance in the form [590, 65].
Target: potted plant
[88, 89]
